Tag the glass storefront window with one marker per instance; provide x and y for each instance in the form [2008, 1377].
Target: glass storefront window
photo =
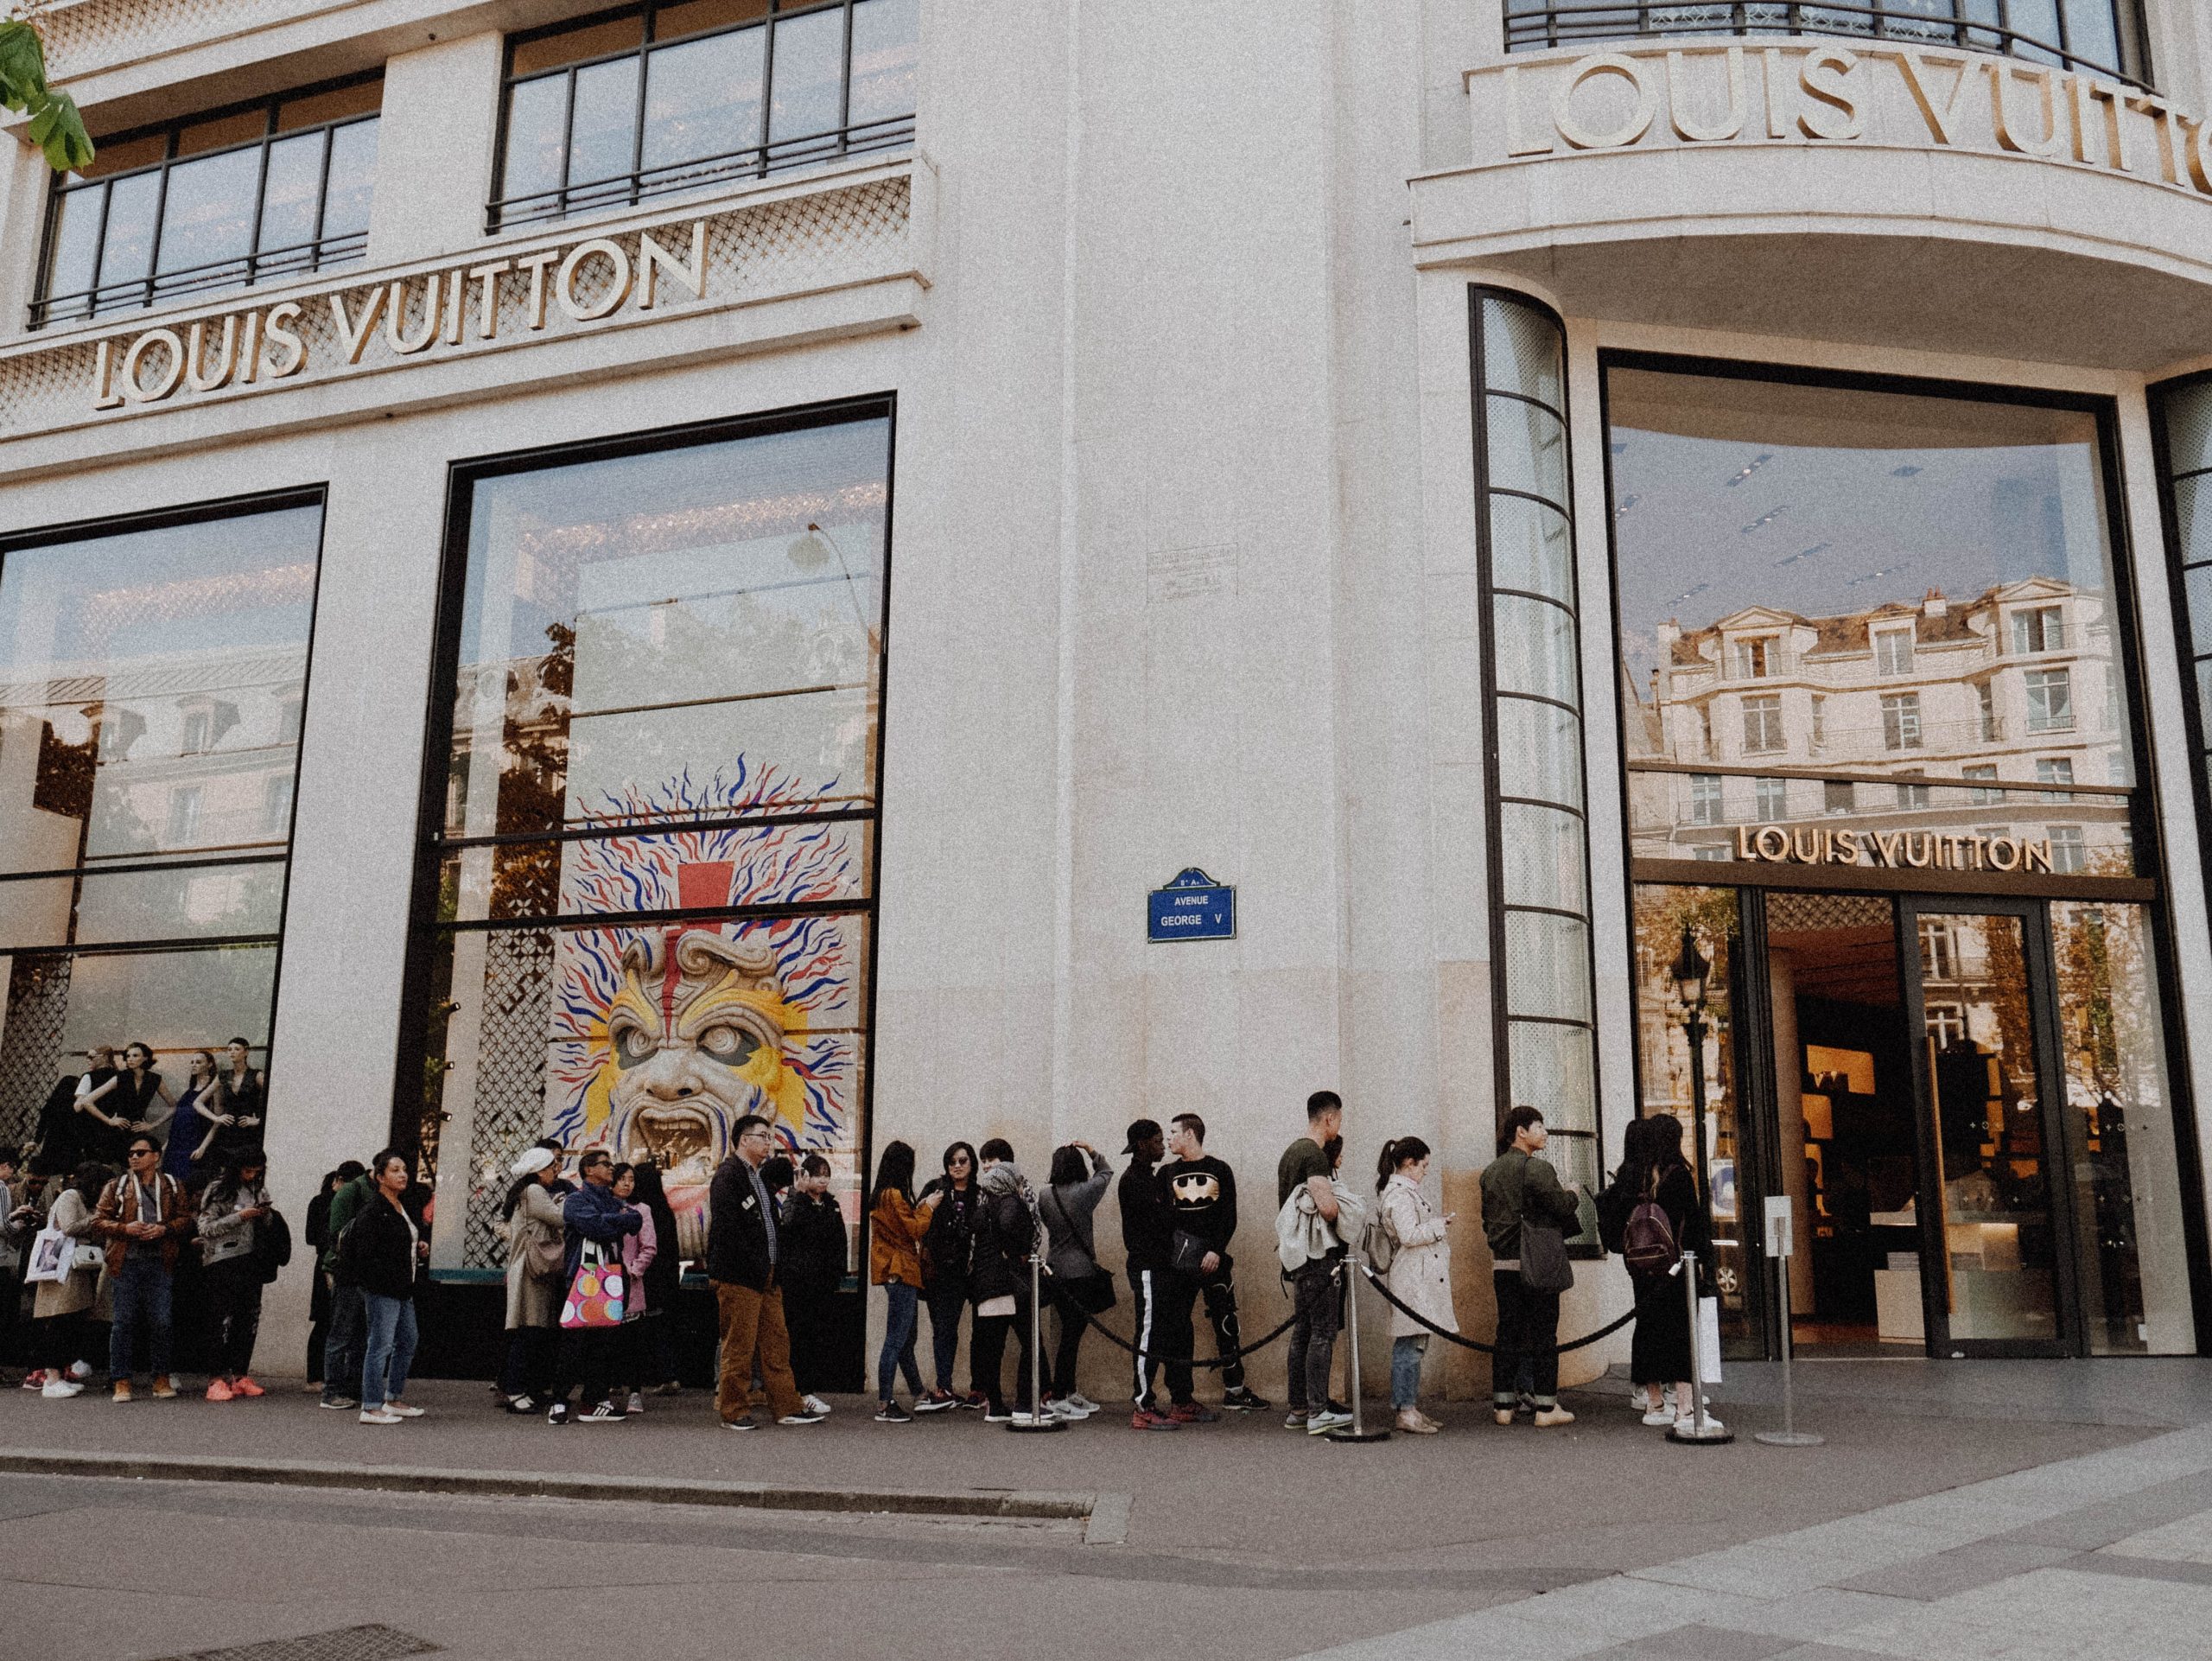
[1540, 863]
[650, 903]
[1930, 583]
[151, 682]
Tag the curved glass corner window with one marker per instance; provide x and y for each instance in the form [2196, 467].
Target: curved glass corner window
[649, 905]
[220, 201]
[2100, 37]
[1539, 841]
[683, 93]
[152, 683]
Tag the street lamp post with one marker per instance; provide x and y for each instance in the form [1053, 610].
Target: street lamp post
[1689, 971]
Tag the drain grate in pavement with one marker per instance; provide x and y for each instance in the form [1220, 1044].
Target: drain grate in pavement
[345, 1644]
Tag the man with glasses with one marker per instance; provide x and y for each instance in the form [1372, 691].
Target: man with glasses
[144, 1216]
[588, 1355]
[742, 1253]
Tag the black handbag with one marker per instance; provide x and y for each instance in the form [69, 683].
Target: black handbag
[272, 1245]
[1544, 1265]
[1186, 1254]
[1093, 1293]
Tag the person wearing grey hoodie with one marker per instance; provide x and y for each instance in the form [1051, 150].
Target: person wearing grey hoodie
[1007, 1235]
[1067, 1206]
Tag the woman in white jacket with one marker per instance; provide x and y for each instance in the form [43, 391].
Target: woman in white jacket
[1420, 1275]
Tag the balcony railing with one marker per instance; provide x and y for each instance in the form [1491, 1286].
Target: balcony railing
[2101, 46]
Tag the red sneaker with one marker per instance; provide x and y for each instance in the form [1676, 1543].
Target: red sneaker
[1145, 1419]
[243, 1385]
[218, 1390]
[35, 1379]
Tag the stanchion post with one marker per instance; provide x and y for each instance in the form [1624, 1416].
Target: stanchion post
[1037, 1418]
[1780, 1242]
[1699, 1429]
[1357, 1431]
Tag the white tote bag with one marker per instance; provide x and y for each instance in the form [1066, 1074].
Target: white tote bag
[1709, 1339]
[49, 1258]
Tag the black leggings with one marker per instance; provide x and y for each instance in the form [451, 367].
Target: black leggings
[1061, 1380]
[987, 1349]
[233, 1291]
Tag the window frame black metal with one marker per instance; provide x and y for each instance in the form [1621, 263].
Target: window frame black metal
[160, 287]
[426, 930]
[642, 183]
[229, 507]
[1567, 23]
[1495, 798]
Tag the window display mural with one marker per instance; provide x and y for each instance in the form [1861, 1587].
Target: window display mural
[649, 909]
[153, 680]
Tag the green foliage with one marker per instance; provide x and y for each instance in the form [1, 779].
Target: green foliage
[55, 127]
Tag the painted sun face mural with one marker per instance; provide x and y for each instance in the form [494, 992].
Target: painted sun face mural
[665, 1035]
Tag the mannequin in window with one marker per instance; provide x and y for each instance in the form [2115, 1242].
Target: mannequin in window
[241, 1097]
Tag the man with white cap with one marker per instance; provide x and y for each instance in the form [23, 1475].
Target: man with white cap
[535, 1247]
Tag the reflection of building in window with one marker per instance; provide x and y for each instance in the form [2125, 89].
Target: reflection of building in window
[1893, 651]
[275, 802]
[1763, 724]
[1947, 1024]
[2050, 700]
[2069, 848]
[1985, 697]
[184, 815]
[1901, 721]
[1913, 796]
[1705, 798]
[199, 730]
[1838, 796]
[1981, 770]
[1939, 955]
[1819, 722]
[1769, 799]
[2055, 770]
[2039, 628]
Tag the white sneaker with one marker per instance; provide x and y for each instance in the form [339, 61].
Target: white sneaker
[1324, 1422]
[637, 1401]
[403, 1410]
[60, 1389]
[379, 1415]
[1688, 1426]
[1076, 1399]
[1660, 1414]
[80, 1370]
[814, 1404]
[1068, 1408]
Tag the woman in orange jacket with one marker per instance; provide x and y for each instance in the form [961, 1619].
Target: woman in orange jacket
[896, 1225]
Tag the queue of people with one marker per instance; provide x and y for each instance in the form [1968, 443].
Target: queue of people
[592, 1274]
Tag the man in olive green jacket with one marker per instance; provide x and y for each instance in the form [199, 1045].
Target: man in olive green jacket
[1516, 1185]
[342, 1351]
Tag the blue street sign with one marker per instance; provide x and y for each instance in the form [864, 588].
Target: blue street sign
[1193, 907]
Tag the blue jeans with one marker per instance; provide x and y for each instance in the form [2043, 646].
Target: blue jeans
[142, 1294]
[390, 1350]
[1405, 1355]
[898, 1356]
[341, 1351]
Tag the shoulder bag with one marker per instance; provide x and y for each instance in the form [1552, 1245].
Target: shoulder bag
[1544, 1265]
[598, 1290]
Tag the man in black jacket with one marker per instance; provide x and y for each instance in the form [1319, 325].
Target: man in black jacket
[1149, 1233]
[1202, 1200]
[742, 1253]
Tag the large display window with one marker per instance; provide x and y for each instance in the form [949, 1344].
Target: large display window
[1882, 752]
[153, 680]
[646, 907]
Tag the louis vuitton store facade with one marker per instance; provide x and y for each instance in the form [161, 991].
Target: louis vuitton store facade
[581, 570]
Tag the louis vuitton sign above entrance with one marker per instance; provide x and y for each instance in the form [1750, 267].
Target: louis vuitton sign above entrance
[1877, 96]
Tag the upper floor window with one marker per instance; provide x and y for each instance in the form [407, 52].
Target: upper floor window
[1762, 723]
[2038, 628]
[1901, 721]
[2103, 37]
[258, 191]
[1705, 798]
[1755, 657]
[1893, 651]
[2050, 701]
[679, 93]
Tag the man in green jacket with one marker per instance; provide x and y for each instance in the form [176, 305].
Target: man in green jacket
[342, 1350]
[1516, 1185]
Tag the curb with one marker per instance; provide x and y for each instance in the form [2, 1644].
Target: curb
[425, 1479]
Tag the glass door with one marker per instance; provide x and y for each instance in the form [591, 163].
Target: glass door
[1995, 1276]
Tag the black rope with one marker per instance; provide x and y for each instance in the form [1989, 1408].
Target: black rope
[1067, 1304]
[1465, 1343]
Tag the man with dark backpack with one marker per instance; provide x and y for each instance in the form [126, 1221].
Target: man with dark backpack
[344, 1351]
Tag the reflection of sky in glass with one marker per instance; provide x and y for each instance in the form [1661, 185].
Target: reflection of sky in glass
[234, 582]
[683, 522]
[1732, 493]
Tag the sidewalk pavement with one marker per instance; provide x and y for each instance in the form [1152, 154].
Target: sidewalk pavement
[1235, 1540]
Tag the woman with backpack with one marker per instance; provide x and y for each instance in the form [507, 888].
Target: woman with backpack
[1419, 1272]
[1007, 1232]
[1666, 1219]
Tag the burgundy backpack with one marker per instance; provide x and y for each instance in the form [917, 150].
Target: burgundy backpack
[1648, 1244]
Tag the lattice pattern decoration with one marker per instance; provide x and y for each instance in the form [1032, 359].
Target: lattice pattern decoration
[510, 1078]
[795, 245]
[1799, 913]
[30, 1043]
[95, 34]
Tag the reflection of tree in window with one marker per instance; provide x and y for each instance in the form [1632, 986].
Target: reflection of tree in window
[2069, 849]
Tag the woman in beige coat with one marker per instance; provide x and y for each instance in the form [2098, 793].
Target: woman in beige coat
[1420, 1275]
[64, 1307]
[535, 1241]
